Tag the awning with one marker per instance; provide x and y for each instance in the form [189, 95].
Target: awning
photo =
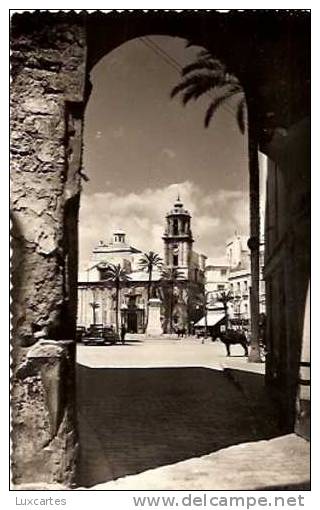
[212, 319]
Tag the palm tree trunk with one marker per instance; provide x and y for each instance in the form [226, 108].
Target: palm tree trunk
[117, 307]
[171, 309]
[254, 241]
[148, 299]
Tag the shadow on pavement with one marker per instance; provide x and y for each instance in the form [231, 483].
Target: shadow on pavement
[258, 398]
[135, 419]
[303, 486]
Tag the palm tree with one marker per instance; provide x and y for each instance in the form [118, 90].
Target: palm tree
[208, 75]
[171, 276]
[117, 275]
[225, 297]
[149, 261]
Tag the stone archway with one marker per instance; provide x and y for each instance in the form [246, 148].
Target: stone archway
[52, 55]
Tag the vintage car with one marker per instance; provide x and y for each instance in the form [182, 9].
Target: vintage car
[80, 332]
[100, 335]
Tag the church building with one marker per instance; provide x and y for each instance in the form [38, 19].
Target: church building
[180, 300]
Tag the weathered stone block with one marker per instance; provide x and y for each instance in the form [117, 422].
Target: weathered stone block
[45, 126]
[41, 105]
[21, 143]
[44, 383]
[50, 151]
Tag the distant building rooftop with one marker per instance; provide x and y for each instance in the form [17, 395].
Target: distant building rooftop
[117, 245]
[217, 262]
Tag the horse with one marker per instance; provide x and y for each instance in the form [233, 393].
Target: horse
[232, 337]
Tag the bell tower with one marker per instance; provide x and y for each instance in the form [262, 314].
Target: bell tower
[178, 238]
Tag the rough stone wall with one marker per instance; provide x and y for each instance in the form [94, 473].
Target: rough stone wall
[47, 100]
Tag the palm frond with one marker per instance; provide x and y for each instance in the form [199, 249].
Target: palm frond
[115, 273]
[218, 101]
[204, 64]
[208, 74]
[200, 84]
[191, 93]
[231, 79]
[171, 274]
[200, 80]
[204, 54]
[150, 260]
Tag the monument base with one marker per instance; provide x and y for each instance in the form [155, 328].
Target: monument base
[154, 327]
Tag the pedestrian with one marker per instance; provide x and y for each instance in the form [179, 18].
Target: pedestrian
[123, 334]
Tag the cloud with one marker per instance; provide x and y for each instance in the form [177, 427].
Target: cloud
[215, 217]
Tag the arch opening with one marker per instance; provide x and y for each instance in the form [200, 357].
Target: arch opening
[159, 181]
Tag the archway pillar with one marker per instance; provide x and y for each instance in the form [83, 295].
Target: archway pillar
[47, 103]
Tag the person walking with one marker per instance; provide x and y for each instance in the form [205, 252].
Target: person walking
[123, 334]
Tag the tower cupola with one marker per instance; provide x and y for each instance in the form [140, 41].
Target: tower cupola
[178, 236]
[119, 237]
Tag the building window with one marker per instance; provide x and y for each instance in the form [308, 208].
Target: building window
[223, 272]
[231, 287]
[245, 283]
[220, 287]
[175, 227]
[175, 260]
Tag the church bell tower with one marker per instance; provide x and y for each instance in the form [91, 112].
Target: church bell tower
[178, 238]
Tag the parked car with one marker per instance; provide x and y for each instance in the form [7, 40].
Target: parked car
[80, 332]
[110, 335]
[97, 335]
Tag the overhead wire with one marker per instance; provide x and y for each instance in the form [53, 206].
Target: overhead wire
[171, 61]
[179, 67]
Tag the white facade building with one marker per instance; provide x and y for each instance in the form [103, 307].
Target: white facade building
[233, 274]
[217, 277]
[239, 286]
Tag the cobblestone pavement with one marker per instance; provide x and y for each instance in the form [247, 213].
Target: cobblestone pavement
[154, 403]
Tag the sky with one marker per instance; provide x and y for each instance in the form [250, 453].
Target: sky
[142, 148]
